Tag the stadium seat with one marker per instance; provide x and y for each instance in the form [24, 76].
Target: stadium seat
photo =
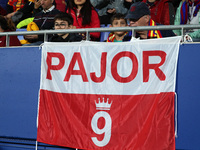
[21, 37]
[104, 35]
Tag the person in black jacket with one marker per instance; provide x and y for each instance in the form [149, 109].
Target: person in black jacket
[64, 21]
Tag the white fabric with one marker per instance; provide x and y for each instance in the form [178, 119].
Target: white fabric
[91, 56]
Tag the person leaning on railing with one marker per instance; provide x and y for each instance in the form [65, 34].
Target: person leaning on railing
[7, 26]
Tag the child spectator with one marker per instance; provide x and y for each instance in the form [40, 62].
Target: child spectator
[64, 21]
[162, 11]
[7, 26]
[117, 20]
[85, 16]
[188, 13]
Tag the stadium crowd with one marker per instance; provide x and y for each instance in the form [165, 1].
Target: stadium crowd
[33, 15]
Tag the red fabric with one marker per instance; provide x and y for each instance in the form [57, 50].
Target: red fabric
[138, 122]
[14, 41]
[60, 5]
[160, 12]
[95, 23]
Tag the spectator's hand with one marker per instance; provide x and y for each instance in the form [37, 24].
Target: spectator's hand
[64, 2]
[111, 11]
[73, 27]
[10, 14]
[187, 38]
[83, 36]
[30, 37]
[37, 4]
[130, 1]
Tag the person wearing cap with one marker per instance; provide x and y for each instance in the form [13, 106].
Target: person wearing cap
[139, 15]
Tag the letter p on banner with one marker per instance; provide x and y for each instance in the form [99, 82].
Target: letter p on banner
[108, 95]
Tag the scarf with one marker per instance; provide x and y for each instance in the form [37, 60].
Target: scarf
[153, 33]
[16, 4]
[111, 37]
[185, 15]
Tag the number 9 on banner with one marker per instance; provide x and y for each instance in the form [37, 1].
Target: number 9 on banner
[106, 130]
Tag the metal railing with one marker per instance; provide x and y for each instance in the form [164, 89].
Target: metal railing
[103, 29]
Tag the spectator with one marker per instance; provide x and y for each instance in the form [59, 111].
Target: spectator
[64, 21]
[44, 20]
[107, 8]
[117, 20]
[7, 26]
[29, 9]
[85, 16]
[139, 15]
[162, 11]
[188, 13]
[14, 5]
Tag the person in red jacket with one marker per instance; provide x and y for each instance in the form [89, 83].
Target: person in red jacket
[162, 11]
[6, 26]
[85, 16]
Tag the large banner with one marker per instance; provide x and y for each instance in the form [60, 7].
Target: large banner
[108, 96]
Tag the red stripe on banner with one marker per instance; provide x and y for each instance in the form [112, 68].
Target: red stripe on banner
[122, 122]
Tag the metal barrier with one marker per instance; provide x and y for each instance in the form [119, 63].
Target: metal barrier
[88, 30]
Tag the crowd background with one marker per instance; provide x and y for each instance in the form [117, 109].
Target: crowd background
[94, 14]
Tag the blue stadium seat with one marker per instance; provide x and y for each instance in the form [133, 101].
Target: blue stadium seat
[21, 37]
[104, 35]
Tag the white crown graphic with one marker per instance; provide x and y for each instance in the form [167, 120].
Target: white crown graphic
[104, 105]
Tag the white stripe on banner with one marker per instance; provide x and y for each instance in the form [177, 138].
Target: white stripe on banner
[92, 66]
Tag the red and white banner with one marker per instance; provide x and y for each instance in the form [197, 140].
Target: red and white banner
[108, 95]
